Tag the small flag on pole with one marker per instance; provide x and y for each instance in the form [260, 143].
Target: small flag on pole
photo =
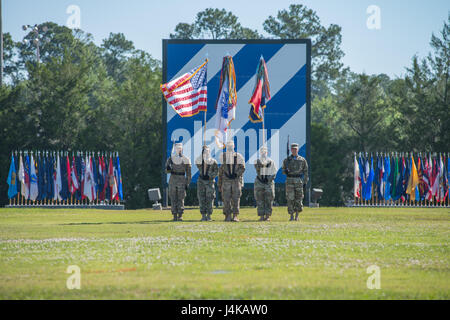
[12, 181]
[188, 94]
[74, 186]
[357, 180]
[34, 190]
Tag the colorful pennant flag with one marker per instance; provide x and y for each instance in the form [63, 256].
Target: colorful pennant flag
[261, 93]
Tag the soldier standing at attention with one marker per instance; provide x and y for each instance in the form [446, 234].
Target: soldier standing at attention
[264, 187]
[295, 168]
[208, 170]
[231, 181]
[179, 168]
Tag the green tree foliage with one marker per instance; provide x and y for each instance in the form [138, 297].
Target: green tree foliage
[422, 98]
[439, 61]
[299, 22]
[329, 166]
[12, 123]
[214, 24]
[136, 128]
[365, 110]
[10, 68]
[115, 50]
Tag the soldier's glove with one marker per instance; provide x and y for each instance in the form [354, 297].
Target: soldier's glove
[169, 168]
[233, 176]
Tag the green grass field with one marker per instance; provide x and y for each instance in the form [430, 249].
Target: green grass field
[142, 255]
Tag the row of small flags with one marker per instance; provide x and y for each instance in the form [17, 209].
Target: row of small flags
[45, 178]
[188, 93]
[400, 179]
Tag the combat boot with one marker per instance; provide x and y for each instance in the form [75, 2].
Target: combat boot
[175, 218]
[267, 218]
[292, 217]
[235, 218]
[296, 216]
[203, 217]
[228, 217]
[261, 218]
[180, 217]
[208, 217]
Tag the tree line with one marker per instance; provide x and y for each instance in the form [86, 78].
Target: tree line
[81, 96]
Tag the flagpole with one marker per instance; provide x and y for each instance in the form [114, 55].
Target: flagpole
[354, 192]
[264, 135]
[204, 128]
[204, 115]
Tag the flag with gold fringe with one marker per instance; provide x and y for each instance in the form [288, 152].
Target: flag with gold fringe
[226, 101]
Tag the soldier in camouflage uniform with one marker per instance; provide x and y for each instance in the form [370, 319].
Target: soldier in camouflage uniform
[264, 187]
[179, 168]
[295, 168]
[206, 193]
[231, 181]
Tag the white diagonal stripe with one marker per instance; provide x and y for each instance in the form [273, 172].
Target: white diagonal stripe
[281, 67]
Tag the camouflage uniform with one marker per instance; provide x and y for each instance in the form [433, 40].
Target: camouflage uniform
[179, 168]
[264, 187]
[296, 170]
[206, 193]
[231, 181]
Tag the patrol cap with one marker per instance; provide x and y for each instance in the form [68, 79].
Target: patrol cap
[294, 145]
[178, 145]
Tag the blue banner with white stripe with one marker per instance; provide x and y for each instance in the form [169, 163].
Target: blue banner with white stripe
[286, 114]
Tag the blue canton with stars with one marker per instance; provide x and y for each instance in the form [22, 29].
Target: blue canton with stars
[199, 79]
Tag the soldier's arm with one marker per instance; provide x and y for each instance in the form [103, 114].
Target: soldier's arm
[305, 173]
[284, 167]
[257, 168]
[188, 174]
[169, 165]
[272, 171]
[213, 171]
[219, 180]
[240, 168]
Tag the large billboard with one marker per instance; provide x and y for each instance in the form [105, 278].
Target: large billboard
[287, 114]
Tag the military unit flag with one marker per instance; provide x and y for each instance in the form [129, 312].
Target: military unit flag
[226, 101]
[261, 93]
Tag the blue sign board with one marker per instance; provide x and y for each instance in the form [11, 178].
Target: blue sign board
[287, 113]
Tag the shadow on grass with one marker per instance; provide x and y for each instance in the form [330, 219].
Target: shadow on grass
[153, 222]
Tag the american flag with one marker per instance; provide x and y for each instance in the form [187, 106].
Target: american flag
[188, 94]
